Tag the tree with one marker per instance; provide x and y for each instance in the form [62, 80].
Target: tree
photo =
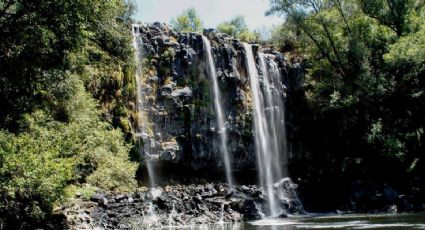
[392, 13]
[237, 28]
[37, 41]
[37, 166]
[234, 26]
[363, 90]
[188, 21]
[55, 55]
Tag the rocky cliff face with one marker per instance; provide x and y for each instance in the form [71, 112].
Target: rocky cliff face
[179, 123]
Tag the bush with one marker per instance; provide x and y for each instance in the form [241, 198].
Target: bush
[33, 174]
[37, 165]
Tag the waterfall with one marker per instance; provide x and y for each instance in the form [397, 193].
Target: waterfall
[137, 44]
[269, 126]
[141, 127]
[221, 221]
[170, 220]
[218, 105]
[275, 112]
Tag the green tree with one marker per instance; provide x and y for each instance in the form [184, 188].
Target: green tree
[38, 165]
[392, 13]
[234, 26]
[37, 39]
[188, 21]
[237, 28]
[363, 91]
[55, 56]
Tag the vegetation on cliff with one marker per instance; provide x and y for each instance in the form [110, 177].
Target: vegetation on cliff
[67, 87]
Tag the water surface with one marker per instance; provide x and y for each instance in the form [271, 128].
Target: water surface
[327, 222]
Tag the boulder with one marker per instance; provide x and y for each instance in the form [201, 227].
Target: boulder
[185, 92]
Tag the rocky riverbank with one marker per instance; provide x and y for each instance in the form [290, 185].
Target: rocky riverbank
[178, 205]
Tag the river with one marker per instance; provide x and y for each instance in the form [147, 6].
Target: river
[326, 222]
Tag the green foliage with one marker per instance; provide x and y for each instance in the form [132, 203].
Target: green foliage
[55, 56]
[167, 56]
[86, 191]
[37, 165]
[237, 28]
[248, 36]
[364, 88]
[188, 21]
[37, 39]
[234, 26]
[284, 39]
[393, 13]
[114, 174]
[227, 28]
[33, 174]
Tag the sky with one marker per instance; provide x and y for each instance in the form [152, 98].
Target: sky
[212, 12]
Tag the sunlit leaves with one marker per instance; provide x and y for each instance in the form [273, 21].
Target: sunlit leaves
[365, 65]
[188, 21]
[237, 28]
[51, 131]
[37, 165]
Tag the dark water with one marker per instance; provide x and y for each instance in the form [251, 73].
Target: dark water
[327, 222]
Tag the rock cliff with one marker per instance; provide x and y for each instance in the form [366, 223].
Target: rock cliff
[179, 123]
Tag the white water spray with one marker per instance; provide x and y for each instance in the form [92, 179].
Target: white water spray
[273, 90]
[222, 215]
[266, 130]
[171, 220]
[137, 44]
[141, 127]
[219, 111]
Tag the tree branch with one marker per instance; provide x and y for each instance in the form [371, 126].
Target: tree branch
[339, 6]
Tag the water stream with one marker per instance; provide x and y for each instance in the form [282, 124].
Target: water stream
[141, 127]
[218, 105]
[326, 222]
[221, 215]
[269, 124]
[171, 220]
[275, 112]
[137, 45]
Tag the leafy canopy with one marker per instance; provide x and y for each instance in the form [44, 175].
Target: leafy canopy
[364, 87]
[188, 21]
[55, 55]
[38, 165]
[237, 28]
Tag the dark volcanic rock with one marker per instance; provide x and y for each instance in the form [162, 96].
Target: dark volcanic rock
[178, 98]
[183, 204]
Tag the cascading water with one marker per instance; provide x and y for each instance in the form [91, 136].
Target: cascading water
[275, 106]
[268, 123]
[138, 56]
[221, 221]
[219, 111]
[141, 128]
[273, 89]
[171, 220]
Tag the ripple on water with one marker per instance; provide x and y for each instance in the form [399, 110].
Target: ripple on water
[373, 226]
[349, 222]
[273, 222]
